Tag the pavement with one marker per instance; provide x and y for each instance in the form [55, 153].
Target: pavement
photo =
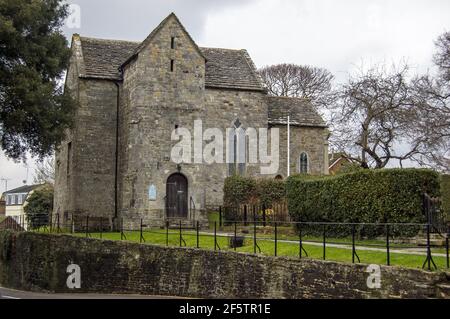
[6, 293]
[404, 251]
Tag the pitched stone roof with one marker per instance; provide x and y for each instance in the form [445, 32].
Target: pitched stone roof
[301, 111]
[225, 68]
[102, 58]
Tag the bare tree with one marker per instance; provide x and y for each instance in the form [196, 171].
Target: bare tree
[442, 56]
[376, 113]
[45, 171]
[432, 94]
[299, 81]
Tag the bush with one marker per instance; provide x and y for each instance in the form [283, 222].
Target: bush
[262, 193]
[445, 193]
[39, 207]
[370, 196]
[240, 190]
[270, 191]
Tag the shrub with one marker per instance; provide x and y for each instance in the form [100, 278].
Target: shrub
[39, 207]
[370, 196]
[270, 191]
[445, 193]
[240, 190]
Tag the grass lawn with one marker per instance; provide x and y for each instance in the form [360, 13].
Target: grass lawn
[158, 237]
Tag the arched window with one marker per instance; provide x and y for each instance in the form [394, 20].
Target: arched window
[238, 150]
[279, 177]
[303, 164]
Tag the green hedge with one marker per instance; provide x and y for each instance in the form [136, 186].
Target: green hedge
[445, 193]
[240, 190]
[369, 196]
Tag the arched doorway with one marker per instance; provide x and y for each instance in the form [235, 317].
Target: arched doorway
[177, 196]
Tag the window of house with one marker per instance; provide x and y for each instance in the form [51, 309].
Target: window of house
[16, 199]
[303, 163]
[24, 198]
[172, 43]
[9, 200]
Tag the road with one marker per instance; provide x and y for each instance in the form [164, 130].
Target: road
[6, 293]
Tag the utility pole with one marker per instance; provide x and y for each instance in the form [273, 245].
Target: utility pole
[289, 145]
[6, 182]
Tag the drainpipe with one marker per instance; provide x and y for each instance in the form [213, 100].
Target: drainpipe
[116, 214]
[289, 145]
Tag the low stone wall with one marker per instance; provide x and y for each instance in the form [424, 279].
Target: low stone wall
[39, 262]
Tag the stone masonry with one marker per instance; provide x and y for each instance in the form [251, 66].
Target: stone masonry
[38, 262]
[132, 96]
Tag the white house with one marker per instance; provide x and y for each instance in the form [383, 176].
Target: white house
[16, 199]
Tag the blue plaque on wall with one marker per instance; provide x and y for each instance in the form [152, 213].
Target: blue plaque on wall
[152, 192]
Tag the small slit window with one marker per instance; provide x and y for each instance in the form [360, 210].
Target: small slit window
[172, 43]
[172, 65]
[303, 163]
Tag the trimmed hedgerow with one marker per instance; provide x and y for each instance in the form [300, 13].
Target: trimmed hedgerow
[369, 196]
[445, 193]
[240, 190]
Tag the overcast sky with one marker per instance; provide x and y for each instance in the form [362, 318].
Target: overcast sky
[335, 34]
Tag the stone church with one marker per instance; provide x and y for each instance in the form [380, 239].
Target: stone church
[116, 160]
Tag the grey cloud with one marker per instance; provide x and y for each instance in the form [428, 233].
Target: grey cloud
[135, 19]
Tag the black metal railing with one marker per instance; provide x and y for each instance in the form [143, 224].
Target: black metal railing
[321, 240]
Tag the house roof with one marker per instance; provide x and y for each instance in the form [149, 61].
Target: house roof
[23, 189]
[225, 68]
[301, 111]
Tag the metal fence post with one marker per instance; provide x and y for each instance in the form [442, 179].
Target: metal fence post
[87, 225]
[59, 228]
[245, 215]
[220, 216]
[121, 229]
[264, 215]
[215, 235]
[276, 239]
[388, 252]
[180, 235]
[300, 244]
[141, 236]
[446, 245]
[198, 237]
[353, 244]
[254, 236]
[428, 247]
[72, 224]
[324, 241]
[167, 233]
[101, 227]
[235, 235]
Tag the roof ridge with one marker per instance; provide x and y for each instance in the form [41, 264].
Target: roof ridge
[108, 40]
[253, 68]
[289, 97]
[217, 48]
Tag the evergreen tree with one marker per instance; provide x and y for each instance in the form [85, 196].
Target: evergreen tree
[34, 111]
